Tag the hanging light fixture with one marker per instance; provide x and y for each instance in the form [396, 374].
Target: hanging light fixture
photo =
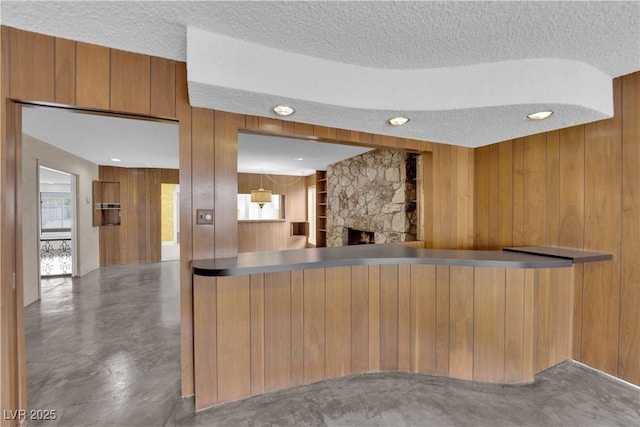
[261, 196]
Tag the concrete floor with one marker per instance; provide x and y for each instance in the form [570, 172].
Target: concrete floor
[104, 350]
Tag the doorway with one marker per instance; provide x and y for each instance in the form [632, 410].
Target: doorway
[57, 222]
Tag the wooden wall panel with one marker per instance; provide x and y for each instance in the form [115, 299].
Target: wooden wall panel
[359, 319]
[183, 114]
[461, 323]
[233, 338]
[504, 214]
[572, 187]
[482, 185]
[514, 324]
[535, 170]
[374, 318]
[130, 82]
[204, 334]
[314, 325]
[603, 198]
[297, 327]
[404, 318]
[257, 333]
[163, 87]
[277, 330]
[65, 78]
[338, 321]
[138, 238]
[93, 68]
[423, 319]
[488, 324]
[577, 188]
[629, 351]
[388, 317]
[226, 182]
[494, 188]
[203, 183]
[442, 319]
[32, 66]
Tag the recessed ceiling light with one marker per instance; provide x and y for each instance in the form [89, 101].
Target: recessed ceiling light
[283, 110]
[398, 121]
[540, 115]
[300, 158]
[116, 160]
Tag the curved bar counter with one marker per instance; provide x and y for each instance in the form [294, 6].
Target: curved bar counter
[265, 321]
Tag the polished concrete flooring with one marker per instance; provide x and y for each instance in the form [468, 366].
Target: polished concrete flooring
[104, 350]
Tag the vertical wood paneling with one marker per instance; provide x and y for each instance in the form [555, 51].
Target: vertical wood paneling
[461, 323]
[183, 113]
[572, 187]
[504, 213]
[518, 192]
[92, 76]
[603, 165]
[277, 330]
[423, 319]
[388, 317]
[32, 66]
[65, 80]
[202, 187]
[488, 324]
[314, 325]
[163, 87]
[338, 321]
[257, 333]
[442, 319]
[578, 284]
[359, 319]
[535, 173]
[514, 326]
[226, 183]
[404, 318]
[494, 188]
[529, 330]
[629, 350]
[205, 349]
[553, 189]
[297, 327]
[234, 338]
[482, 168]
[130, 82]
[374, 317]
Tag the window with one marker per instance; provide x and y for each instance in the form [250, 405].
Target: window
[55, 212]
[248, 211]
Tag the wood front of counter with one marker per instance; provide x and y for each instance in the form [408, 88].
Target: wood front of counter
[293, 325]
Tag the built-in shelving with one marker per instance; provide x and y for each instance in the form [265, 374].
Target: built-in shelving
[321, 208]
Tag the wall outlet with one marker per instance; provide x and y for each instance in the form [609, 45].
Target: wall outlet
[204, 216]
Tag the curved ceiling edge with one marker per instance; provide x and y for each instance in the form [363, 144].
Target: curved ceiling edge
[237, 76]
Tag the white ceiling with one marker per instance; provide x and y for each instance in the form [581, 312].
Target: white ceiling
[465, 72]
[141, 143]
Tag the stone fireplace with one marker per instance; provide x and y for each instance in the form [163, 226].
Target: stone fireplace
[360, 237]
[374, 193]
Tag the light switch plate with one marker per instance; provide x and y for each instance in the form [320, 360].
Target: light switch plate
[204, 216]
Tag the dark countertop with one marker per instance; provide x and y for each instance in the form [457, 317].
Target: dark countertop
[575, 255]
[299, 259]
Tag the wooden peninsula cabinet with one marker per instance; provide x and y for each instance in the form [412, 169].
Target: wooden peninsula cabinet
[266, 321]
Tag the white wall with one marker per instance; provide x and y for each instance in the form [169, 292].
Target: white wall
[34, 151]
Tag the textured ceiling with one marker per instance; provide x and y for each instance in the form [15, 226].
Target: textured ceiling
[464, 72]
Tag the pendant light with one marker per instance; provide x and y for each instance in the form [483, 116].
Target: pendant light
[261, 196]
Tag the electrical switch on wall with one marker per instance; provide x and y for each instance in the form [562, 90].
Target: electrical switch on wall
[204, 216]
